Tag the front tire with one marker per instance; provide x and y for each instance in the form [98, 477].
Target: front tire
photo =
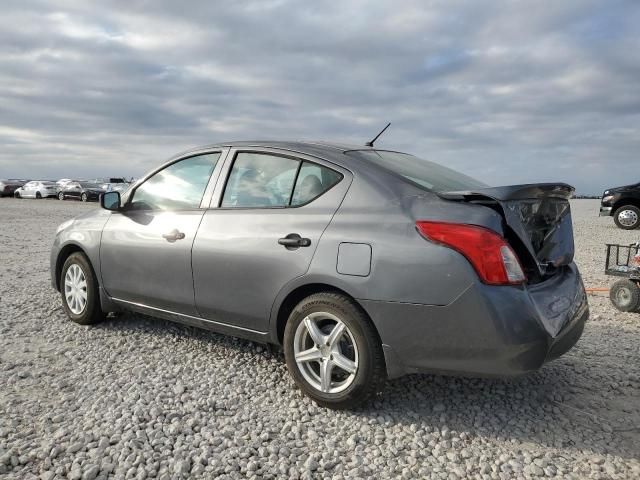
[333, 352]
[16, 195]
[38, 195]
[627, 217]
[84, 197]
[61, 196]
[79, 291]
[625, 296]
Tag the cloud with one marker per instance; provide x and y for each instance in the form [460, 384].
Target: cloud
[509, 92]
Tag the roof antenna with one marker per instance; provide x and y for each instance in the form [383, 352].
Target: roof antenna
[370, 144]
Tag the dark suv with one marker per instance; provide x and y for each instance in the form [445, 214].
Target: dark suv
[623, 204]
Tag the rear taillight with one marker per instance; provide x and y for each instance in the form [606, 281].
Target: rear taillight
[488, 252]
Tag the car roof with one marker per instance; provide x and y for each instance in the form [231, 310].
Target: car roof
[296, 145]
[313, 148]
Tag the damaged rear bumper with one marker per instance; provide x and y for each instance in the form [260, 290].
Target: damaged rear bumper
[486, 331]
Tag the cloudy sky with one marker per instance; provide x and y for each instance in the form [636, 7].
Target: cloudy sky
[510, 92]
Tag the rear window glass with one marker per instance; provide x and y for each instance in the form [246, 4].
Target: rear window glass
[426, 174]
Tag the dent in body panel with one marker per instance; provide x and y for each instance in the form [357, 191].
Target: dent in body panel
[470, 335]
[428, 206]
[405, 267]
[558, 299]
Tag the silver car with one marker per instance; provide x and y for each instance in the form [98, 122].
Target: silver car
[363, 264]
[37, 189]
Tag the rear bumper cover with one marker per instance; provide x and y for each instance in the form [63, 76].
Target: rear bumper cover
[486, 331]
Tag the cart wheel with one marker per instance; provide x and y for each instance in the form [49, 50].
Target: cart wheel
[625, 295]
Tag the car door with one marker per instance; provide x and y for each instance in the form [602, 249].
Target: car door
[262, 232]
[72, 190]
[145, 252]
[29, 190]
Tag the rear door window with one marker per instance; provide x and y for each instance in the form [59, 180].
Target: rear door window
[259, 180]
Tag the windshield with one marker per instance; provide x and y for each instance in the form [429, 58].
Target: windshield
[426, 174]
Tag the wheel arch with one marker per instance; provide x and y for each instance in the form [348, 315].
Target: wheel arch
[625, 201]
[64, 253]
[300, 292]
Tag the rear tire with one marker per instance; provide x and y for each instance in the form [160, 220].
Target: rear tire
[84, 197]
[77, 280]
[38, 195]
[625, 295]
[61, 196]
[627, 217]
[340, 371]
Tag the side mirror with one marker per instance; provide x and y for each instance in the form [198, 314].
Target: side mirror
[110, 201]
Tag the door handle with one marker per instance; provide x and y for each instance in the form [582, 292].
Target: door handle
[173, 235]
[293, 241]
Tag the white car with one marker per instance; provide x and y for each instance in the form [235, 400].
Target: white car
[37, 189]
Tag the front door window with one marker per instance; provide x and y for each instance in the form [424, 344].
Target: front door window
[180, 186]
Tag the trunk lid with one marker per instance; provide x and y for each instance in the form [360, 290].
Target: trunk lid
[538, 223]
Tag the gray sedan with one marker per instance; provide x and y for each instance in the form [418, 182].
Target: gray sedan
[363, 264]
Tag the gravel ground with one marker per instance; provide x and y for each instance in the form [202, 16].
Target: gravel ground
[136, 397]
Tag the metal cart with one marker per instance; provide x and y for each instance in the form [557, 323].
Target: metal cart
[624, 261]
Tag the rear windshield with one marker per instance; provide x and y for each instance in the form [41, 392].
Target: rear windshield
[426, 174]
[89, 185]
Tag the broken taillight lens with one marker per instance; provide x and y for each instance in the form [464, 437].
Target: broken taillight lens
[491, 256]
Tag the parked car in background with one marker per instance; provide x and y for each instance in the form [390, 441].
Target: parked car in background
[37, 189]
[9, 186]
[116, 187]
[623, 204]
[63, 181]
[85, 191]
[112, 184]
[364, 264]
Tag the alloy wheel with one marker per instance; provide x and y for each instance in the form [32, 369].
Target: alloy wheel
[75, 289]
[628, 218]
[325, 352]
